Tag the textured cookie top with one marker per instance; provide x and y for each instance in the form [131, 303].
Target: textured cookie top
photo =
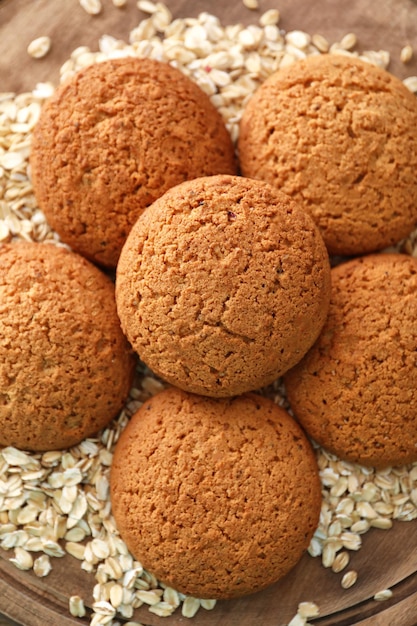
[340, 136]
[355, 391]
[222, 285]
[218, 498]
[65, 366]
[111, 140]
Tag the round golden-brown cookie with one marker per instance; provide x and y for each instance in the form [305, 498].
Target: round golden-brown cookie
[355, 391]
[223, 284]
[111, 140]
[217, 497]
[65, 366]
[339, 135]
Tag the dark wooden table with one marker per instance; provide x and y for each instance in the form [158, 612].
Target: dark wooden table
[387, 558]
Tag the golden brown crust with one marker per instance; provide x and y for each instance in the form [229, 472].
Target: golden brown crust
[65, 366]
[111, 140]
[340, 136]
[218, 498]
[355, 390]
[222, 285]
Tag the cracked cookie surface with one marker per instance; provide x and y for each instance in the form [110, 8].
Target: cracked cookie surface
[355, 390]
[217, 497]
[65, 366]
[222, 285]
[339, 135]
[111, 140]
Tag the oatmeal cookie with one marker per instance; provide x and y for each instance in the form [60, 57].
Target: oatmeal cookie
[223, 284]
[111, 140]
[339, 135]
[65, 366]
[355, 391]
[218, 498]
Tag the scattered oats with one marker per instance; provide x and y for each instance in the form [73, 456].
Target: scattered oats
[320, 43]
[351, 541]
[308, 609]
[92, 7]
[113, 568]
[162, 18]
[406, 53]
[362, 526]
[364, 509]
[126, 610]
[315, 548]
[65, 495]
[384, 508]
[13, 456]
[163, 609]
[116, 595]
[248, 38]
[287, 60]
[102, 486]
[297, 620]
[150, 597]
[382, 523]
[52, 548]
[411, 83]
[72, 476]
[119, 3]
[368, 492]
[100, 620]
[79, 508]
[328, 556]
[146, 6]
[100, 548]
[104, 608]
[380, 58]
[385, 594]
[171, 597]
[190, 606]
[269, 18]
[75, 534]
[340, 562]
[130, 577]
[349, 41]
[50, 458]
[208, 605]
[298, 39]
[39, 47]
[76, 550]
[76, 606]
[27, 514]
[42, 565]
[10, 160]
[340, 487]
[4, 231]
[22, 559]
[43, 91]
[349, 579]
[68, 497]
[336, 48]
[251, 4]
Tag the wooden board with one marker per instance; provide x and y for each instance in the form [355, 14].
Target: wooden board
[387, 558]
